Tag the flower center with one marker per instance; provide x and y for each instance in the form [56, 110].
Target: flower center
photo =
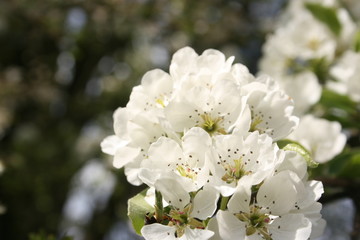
[255, 222]
[255, 121]
[211, 125]
[186, 172]
[313, 44]
[161, 101]
[181, 220]
[234, 171]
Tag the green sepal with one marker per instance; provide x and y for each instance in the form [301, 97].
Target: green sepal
[290, 145]
[326, 15]
[138, 208]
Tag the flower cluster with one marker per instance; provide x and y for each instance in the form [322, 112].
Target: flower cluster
[209, 140]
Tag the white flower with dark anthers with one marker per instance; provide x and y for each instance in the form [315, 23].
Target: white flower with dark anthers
[190, 159]
[153, 94]
[216, 110]
[271, 110]
[347, 72]
[265, 213]
[236, 157]
[185, 218]
[321, 137]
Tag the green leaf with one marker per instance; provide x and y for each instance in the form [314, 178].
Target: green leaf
[352, 167]
[338, 107]
[357, 42]
[337, 165]
[289, 145]
[332, 99]
[137, 209]
[320, 66]
[326, 15]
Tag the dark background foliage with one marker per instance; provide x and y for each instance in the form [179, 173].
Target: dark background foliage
[65, 66]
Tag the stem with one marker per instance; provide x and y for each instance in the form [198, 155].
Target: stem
[223, 202]
[158, 206]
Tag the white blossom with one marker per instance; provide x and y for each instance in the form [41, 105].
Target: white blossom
[188, 160]
[153, 94]
[271, 109]
[134, 133]
[216, 110]
[237, 157]
[268, 214]
[184, 218]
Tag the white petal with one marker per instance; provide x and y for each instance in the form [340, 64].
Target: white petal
[156, 81]
[196, 143]
[196, 234]
[214, 227]
[318, 228]
[229, 226]
[163, 154]
[149, 176]
[242, 124]
[314, 190]
[254, 236]
[111, 143]
[178, 115]
[241, 74]
[173, 192]
[183, 62]
[132, 175]
[144, 130]
[240, 201]
[157, 231]
[211, 59]
[205, 203]
[277, 193]
[121, 119]
[290, 226]
[293, 162]
[125, 155]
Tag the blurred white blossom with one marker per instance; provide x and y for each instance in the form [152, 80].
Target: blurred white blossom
[321, 137]
[346, 71]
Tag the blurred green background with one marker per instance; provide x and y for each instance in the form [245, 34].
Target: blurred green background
[65, 66]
